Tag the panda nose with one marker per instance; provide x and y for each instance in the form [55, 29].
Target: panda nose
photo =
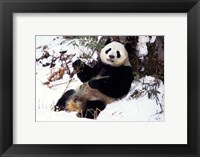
[111, 56]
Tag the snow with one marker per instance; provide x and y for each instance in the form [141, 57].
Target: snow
[138, 107]
[142, 46]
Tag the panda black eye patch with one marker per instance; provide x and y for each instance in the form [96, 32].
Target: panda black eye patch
[118, 54]
[107, 50]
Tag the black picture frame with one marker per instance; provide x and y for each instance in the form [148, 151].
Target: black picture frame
[8, 7]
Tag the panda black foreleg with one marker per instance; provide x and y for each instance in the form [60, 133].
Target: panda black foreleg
[61, 104]
[84, 72]
[92, 109]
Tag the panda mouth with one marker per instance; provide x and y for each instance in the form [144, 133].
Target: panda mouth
[110, 60]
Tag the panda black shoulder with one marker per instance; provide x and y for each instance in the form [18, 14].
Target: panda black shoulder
[126, 70]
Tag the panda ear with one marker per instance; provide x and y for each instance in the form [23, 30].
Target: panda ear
[128, 48]
[108, 41]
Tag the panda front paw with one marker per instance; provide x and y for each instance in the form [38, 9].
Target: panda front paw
[77, 64]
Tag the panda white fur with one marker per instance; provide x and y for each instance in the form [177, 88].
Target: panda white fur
[109, 80]
[115, 54]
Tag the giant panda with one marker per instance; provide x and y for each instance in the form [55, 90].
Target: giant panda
[109, 80]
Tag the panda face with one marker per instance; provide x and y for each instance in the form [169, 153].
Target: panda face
[114, 54]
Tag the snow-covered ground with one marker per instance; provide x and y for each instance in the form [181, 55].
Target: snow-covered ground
[136, 106]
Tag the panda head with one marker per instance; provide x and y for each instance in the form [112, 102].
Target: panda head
[114, 54]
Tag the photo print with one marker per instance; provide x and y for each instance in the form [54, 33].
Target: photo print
[99, 78]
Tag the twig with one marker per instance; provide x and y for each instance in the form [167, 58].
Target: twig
[57, 84]
[68, 84]
[89, 110]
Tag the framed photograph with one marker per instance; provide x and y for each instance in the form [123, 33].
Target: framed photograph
[102, 78]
